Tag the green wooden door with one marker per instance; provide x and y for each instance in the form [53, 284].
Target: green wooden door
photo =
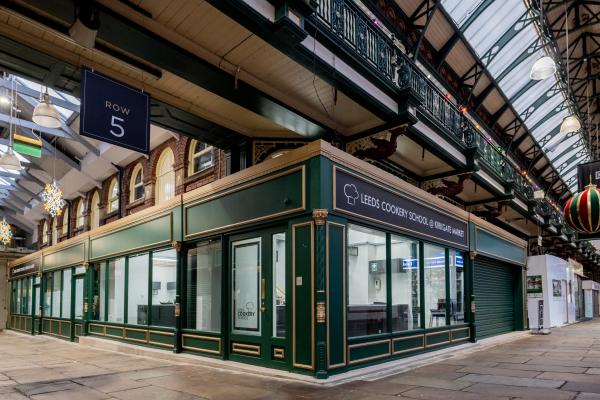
[257, 294]
[494, 289]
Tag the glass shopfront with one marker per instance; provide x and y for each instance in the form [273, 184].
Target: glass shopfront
[390, 275]
[150, 282]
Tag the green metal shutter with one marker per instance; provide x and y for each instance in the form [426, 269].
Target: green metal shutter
[494, 291]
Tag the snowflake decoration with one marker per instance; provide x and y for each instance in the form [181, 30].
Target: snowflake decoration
[5, 232]
[52, 198]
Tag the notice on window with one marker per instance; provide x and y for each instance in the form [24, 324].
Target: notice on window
[246, 286]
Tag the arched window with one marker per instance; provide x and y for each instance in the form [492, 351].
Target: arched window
[65, 220]
[44, 232]
[200, 157]
[113, 195]
[79, 214]
[94, 212]
[54, 231]
[136, 187]
[165, 176]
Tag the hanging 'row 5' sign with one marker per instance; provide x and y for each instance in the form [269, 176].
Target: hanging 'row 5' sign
[114, 112]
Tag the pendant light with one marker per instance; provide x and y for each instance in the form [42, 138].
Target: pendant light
[544, 67]
[9, 159]
[45, 114]
[570, 123]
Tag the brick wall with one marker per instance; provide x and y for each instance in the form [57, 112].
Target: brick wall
[183, 183]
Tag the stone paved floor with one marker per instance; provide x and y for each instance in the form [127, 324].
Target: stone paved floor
[564, 365]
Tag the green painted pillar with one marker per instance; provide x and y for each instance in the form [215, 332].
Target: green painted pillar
[319, 216]
[88, 295]
[471, 304]
[178, 292]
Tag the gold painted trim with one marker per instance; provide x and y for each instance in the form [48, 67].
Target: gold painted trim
[400, 339]
[405, 196]
[467, 328]
[312, 295]
[134, 249]
[440, 343]
[360, 360]
[115, 336]
[160, 333]
[135, 339]
[200, 349]
[291, 171]
[278, 353]
[60, 323]
[96, 333]
[245, 348]
[328, 224]
[64, 248]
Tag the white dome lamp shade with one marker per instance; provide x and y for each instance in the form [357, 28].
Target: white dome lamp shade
[570, 124]
[10, 161]
[542, 69]
[45, 114]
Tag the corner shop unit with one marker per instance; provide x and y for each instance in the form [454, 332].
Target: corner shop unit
[315, 262]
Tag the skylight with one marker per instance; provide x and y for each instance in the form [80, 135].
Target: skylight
[503, 35]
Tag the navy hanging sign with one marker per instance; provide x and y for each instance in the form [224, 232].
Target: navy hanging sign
[359, 197]
[588, 173]
[114, 112]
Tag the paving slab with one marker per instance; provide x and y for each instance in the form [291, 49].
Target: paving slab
[544, 368]
[507, 380]
[487, 389]
[500, 371]
[443, 394]
[582, 387]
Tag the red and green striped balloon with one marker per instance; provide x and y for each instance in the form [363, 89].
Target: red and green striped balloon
[582, 211]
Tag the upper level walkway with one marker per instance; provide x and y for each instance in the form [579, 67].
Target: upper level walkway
[563, 366]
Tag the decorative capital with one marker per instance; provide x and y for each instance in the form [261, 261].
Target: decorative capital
[85, 265]
[320, 215]
[176, 245]
[472, 254]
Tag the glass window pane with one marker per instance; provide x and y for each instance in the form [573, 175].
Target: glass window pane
[66, 293]
[246, 281]
[56, 288]
[139, 192]
[18, 296]
[116, 290]
[457, 288]
[435, 285]
[48, 294]
[204, 287]
[164, 286]
[137, 291]
[99, 299]
[37, 301]
[366, 281]
[279, 285]
[79, 298]
[405, 284]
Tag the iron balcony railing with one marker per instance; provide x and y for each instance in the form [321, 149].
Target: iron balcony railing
[349, 23]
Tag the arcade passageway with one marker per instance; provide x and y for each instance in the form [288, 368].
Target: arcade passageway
[563, 365]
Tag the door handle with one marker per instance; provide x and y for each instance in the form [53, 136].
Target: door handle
[263, 294]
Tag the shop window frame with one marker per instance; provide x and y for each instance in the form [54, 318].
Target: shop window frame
[103, 319]
[389, 333]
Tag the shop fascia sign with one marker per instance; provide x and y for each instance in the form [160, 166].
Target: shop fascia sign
[23, 270]
[356, 196]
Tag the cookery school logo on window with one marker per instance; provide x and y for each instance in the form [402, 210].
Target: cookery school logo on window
[356, 196]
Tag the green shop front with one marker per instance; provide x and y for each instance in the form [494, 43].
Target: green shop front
[315, 263]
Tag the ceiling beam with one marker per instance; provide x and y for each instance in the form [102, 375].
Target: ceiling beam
[137, 41]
